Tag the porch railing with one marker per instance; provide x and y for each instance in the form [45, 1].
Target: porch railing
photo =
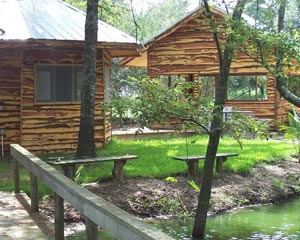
[97, 211]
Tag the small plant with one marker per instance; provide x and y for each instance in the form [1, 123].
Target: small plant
[171, 179]
[173, 206]
[245, 201]
[277, 184]
[293, 130]
[194, 185]
[79, 172]
[295, 183]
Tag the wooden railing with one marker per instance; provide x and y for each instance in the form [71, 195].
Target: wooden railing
[97, 211]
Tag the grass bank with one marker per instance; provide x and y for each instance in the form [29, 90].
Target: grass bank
[155, 158]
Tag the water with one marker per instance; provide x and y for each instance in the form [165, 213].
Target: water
[270, 222]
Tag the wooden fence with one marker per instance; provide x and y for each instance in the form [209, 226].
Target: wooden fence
[97, 211]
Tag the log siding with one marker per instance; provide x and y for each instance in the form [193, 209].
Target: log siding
[45, 126]
[191, 49]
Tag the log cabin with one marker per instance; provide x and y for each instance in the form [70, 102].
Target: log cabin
[41, 59]
[188, 50]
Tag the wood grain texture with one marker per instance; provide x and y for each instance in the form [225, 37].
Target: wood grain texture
[40, 127]
[190, 48]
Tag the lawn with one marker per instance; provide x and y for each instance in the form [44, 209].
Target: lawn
[155, 158]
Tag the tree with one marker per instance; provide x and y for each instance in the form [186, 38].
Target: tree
[159, 103]
[158, 16]
[225, 56]
[280, 37]
[86, 142]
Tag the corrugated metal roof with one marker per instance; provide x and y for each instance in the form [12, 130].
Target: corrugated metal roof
[50, 19]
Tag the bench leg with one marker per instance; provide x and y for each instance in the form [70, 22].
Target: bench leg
[69, 170]
[219, 164]
[192, 168]
[117, 171]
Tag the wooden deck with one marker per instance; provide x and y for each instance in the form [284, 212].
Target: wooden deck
[17, 223]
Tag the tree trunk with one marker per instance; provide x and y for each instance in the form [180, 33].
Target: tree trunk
[206, 183]
[86, 142]
[225, 59]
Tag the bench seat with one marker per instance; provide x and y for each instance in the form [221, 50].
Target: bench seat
[69, 166]
[192, 162]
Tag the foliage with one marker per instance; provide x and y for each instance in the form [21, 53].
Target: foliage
[266, 12]
[293, 129]
[277, 33]
[158, 103]
[124, 84]
[158, 16]
[194, 185]
[171, 179]
[295, 183]
[115, 13]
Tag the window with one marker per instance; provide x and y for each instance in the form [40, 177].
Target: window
[247, 88]
[206, 86]
[170, 81]
[58, 83]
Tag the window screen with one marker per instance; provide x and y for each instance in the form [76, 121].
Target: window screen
[58, 83]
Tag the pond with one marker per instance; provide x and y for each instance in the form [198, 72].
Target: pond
[269, 222]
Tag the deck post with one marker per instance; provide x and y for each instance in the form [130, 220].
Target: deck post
[16, 176]
[59, 217]
[34, 196]
[91, 229]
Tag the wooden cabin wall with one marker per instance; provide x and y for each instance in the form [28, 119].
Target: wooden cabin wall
[53, 127]
[107, 124]
[191, 49]
[10, 84]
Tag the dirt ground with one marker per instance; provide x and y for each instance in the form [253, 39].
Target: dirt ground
[148, 197]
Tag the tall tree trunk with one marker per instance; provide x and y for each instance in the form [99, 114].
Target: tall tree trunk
[86, 142]
[225, 59]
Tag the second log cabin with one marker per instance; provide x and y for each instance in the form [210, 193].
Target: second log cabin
[188, 50]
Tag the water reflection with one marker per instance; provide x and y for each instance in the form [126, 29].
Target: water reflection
[272, 222]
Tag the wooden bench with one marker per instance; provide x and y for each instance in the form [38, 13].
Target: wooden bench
[69, 166]
[192, 162]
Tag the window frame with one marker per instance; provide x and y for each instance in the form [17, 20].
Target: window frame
[52, 70]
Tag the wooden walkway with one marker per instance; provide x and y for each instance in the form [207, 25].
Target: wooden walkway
[17, 223]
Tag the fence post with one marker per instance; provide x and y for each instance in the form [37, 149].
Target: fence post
[91, 230]
[34, 196]
[16, 176]
[59, 217]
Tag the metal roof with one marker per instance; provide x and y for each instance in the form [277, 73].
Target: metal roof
[52, 20]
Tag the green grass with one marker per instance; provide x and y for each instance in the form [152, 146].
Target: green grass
[7, 179]
[155, 158]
